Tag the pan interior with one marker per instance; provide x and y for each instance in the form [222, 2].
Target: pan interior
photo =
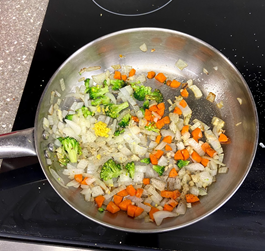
[170, 46]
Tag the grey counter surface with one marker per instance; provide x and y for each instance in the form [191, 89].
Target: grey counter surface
[20, 25]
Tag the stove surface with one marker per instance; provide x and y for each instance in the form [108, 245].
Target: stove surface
[31, 210]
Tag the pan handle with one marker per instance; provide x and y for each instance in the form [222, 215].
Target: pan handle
[17, 144]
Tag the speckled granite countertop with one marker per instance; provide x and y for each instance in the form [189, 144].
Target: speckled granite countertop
[20, 24]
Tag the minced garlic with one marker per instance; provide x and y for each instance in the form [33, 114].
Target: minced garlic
[101, 129]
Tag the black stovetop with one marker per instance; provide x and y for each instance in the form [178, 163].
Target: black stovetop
[30, 209]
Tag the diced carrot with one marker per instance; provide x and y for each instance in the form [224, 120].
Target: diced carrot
[177, 111]
[131, 210]
[184, 93]
[210, 152]
[173, 173]
[191, 198]
[166, 120]
[147, 115]
[183, 103]
[173, 203]
[197, 133]
[123, 77]
[167, 208]
[122, 193]
[139, 192]
[132, 72]
[166, 194]
[222, 138]
[131, 190]
[153, 108]
[147, 204]
[124, 204]
[178, 155]
[160, 123]
[159, 153]
[167, 139]
[175, 194]
[175, 84]
[99, 200]
[151, 212]
[204, 162]
[112, 208]
[84, 181]
[168, 148]
[161, 106]
[117, 75]
[204, 146]
[160, 112]
[195, 156]
[158, 138]
[117, 199]
[79, 178]
[185, 154]
[134, 118]
[153, 159]
[160, 77]
[138, 211]
[151, 74]
[146, 181]
[185, 129]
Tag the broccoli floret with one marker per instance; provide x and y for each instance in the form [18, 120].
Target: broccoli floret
[113, 110]
[125, 120]
[152, 127]
[140, 91]
[62, 156]
[142, 110]
[87, 83]
[100, 101]
[117, 84]
[71, 147]
[86, 112]
[118, 132]
[97, 91]
[155, 95]
[181, 163]
[69, 116]
[159, 169]
[146, 104]
[110, 170]
[131, 169]
[146, 160]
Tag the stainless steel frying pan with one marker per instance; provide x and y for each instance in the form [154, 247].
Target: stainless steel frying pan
[226, 82]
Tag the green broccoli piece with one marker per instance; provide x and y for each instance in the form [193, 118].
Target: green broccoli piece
[181, 163]
[146, 160]
[110, 170]
[71, 148]
[125, 120]
[142, 110]
[146, 104]
[84, 110]
[97, 91]
[69, 116]
[140, 91]
[118, 132]
[159, 169]
[101, 210]
[152, 127]
[113, 110]
[62, 156]
[87, 83]
[100, 101]
[117, 84]
[155, 95]
[131, 169]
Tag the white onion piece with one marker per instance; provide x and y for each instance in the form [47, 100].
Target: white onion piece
[57, 177]
[158, 184]
[76, 128]
[73, 183]
[195, 145]
[213, 140]
[144, 207]
[116, 190]
[181, 64]
[161, 145]
[195, 167]
[197, 92]
[181, 208]
[112, 97]
[143, 47]
[99, 78]
[138, 177]
[163, 161]
[165, 133]
[214, 160]
[160, 215]
[206, 178]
